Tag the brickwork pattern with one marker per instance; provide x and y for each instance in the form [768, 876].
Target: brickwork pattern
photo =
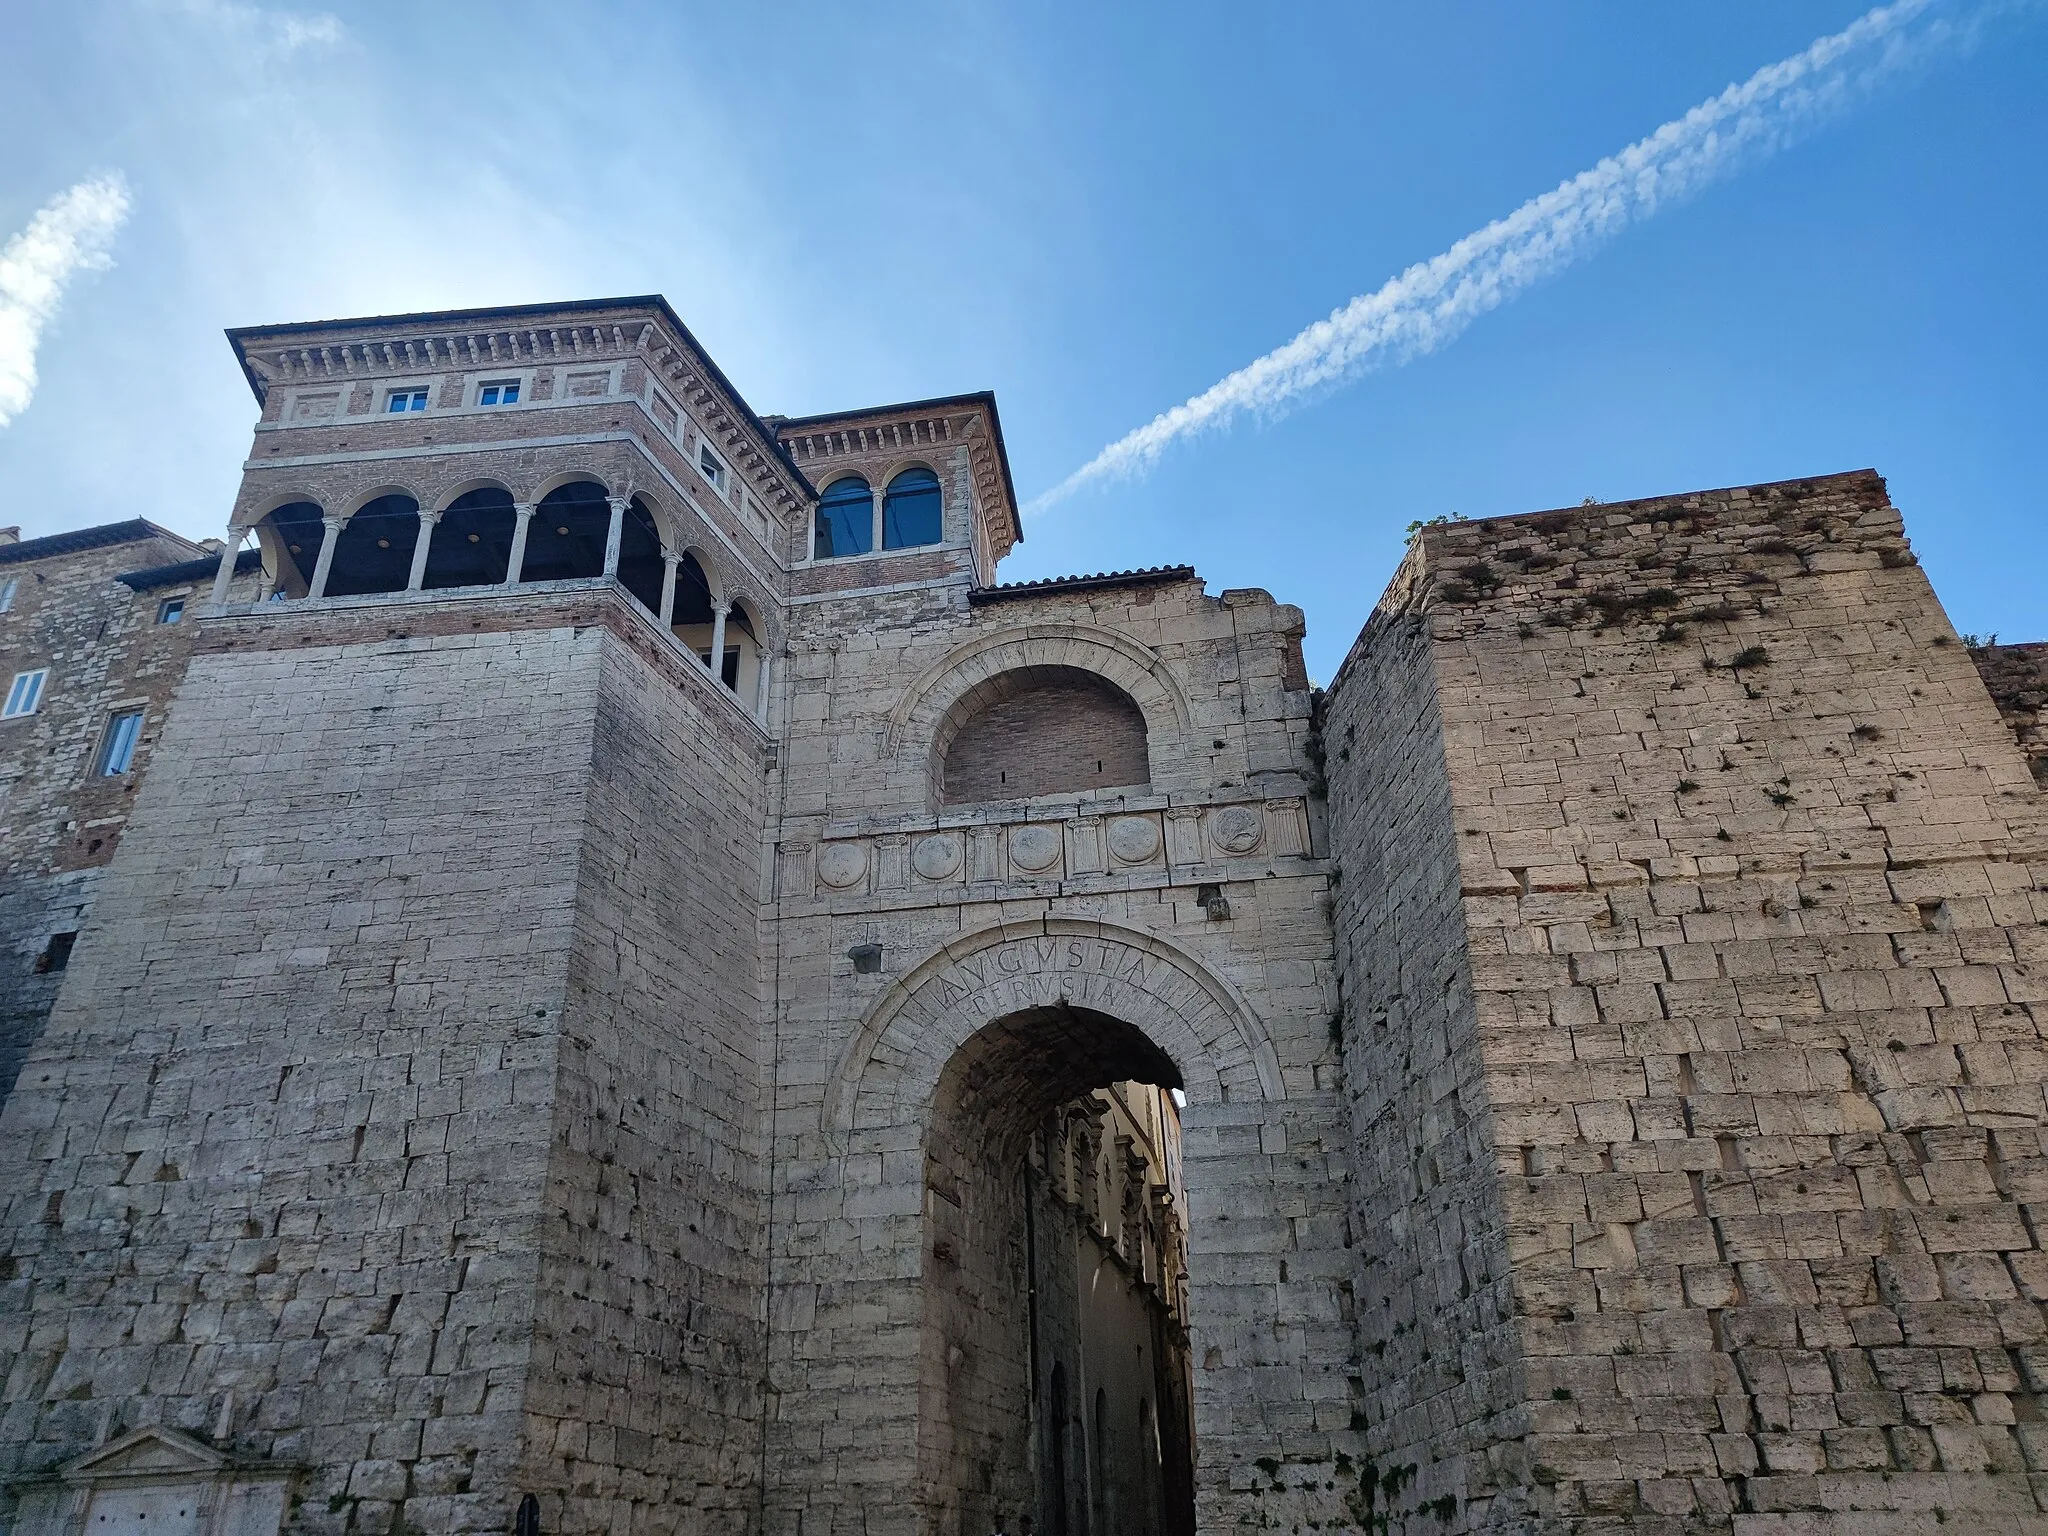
[1046, 734]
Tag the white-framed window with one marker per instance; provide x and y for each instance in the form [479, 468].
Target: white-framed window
[117, 749]
[408, 399]
[170, 610]
[26, 693]
[7, 590]
[498, 392]
[710, 465]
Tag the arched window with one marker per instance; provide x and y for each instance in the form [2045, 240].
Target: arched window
[640, 570]
[1040, 730]
[473, 541]
[911, 511]
[373, 552]
[298, 531]
[568, 534]
[740, 667]
[846, 519]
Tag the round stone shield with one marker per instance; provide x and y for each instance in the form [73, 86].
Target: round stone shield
[1236, 829]
[842, 864]
[1034, 848]
[1133, 839]
[937, 857]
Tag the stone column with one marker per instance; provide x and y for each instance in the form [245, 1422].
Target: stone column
[522, 514]
[670, 560]
[428, 522]
[230, 548]
[616, 536]
[718, 613]
[332, 527]
[761, 690]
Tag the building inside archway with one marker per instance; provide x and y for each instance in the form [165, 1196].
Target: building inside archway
[1056, 1374]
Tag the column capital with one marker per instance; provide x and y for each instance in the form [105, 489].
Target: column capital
[524, 509]
[672, 556]
[431, 516]
[333, 520]
[720, 607]
[618, 503]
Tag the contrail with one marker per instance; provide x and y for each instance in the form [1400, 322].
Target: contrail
[68, 234]
[1431, 302]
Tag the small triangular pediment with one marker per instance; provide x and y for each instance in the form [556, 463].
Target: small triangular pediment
[148, 1452]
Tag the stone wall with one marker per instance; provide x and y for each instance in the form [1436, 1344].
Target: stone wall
[2017, 678]
[644, 1403]
[61, 819]
[369, 1131]
[1441, 1395]
[903, 935]
[1751, 880]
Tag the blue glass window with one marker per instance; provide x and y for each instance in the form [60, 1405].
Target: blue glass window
[406, 400]
[119, 749]
[499, 394]
[846, 518]
[911, 510]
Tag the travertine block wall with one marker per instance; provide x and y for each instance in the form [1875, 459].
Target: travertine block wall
[1751, 894]
[644, 1403]
[1239, 998]
[60, 819]
[1442, 1391]
[370, 1130]
[2017, 678]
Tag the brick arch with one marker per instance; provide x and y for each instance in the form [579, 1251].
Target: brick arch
[916, 723]
[888, 1073]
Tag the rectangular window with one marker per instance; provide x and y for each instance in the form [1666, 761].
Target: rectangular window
[708, 463]
[56, 954]
[503, 392]
[118, 751]
[26, 694]
[406, 400]
[729, 672]
[7, 591]
[170, 610]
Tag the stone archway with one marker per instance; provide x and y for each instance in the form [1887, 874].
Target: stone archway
[1054, 1251]
[1267, 1309]
[889, 1068]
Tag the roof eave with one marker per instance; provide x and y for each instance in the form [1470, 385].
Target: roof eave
[237, 336]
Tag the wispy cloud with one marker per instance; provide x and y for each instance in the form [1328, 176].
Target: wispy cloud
[1433, 301]
[262, 31]
[68, 235]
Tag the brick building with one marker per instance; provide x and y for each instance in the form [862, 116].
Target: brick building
[642, 989]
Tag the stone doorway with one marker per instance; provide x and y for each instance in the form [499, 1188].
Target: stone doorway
[1055, 1381]
[972, 1054]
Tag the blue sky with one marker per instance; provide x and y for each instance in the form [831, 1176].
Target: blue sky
[1097, 212]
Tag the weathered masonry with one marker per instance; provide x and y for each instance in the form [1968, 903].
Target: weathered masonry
[632, 985]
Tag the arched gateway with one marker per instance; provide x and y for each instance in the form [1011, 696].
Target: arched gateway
[1088, 1195]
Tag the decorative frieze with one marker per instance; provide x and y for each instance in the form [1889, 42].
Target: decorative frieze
[1236, 840]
